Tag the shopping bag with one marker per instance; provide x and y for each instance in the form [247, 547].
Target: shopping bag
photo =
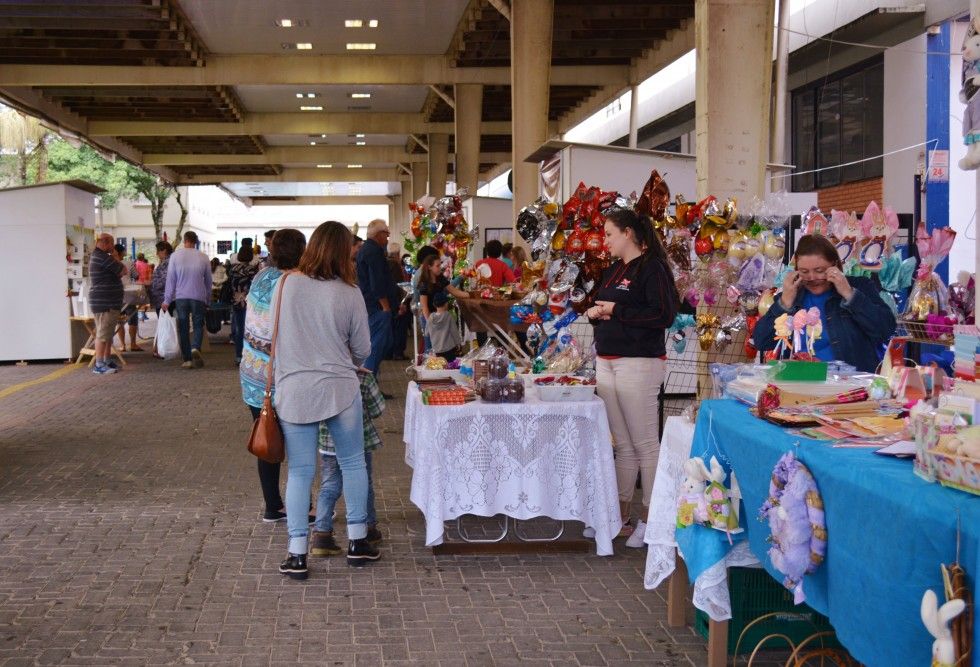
[167, 343]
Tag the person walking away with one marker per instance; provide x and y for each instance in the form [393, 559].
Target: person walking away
[219, 276]
[240, 277]
[144, 277]
[374, 278]
[401, 316]
[323, 336]
[505, 255]
[132, 323]
[285, 250]
[158, 284]
[443, 329]
[189, 290]
[105, 296]
[636, 303]
[332, 479]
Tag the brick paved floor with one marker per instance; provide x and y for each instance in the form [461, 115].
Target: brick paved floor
[130, 534]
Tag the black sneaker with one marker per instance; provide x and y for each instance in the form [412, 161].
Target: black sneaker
[273, 517]
[294, 566]
[361, 552]
[373, 535]
[323, 544]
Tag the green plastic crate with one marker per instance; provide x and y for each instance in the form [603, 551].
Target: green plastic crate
[754, 593]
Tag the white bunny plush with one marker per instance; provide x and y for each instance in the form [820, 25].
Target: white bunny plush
[718, 499]
[691, 506]
[936, 619]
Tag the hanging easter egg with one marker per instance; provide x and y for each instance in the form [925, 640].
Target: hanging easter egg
[417, 226]
[594, 240]
[774, 247]
[576, 242]
[765, 301]
[703, 247]
[558, 241]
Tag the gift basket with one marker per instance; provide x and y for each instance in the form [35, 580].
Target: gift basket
[927, 314]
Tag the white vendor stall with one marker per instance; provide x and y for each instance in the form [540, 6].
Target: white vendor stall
[47, 232]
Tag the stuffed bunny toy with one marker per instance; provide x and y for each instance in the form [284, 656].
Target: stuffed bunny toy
[691, 506]
[936, 619]
[969, 96]
[718, 499]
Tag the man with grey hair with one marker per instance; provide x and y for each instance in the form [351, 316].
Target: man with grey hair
[374, 280]
[105, 296]
[189, 290]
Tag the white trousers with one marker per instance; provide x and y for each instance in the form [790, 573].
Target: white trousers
[630, 386]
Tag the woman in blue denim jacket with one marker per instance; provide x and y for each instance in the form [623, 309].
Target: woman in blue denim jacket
[856, 322]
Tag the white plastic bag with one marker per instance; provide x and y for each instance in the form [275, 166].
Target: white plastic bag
[168, 345]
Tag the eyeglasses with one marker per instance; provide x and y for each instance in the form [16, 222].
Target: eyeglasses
[819, 272]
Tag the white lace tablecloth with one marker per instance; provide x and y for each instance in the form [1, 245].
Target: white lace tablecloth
[711, 588]
[523, 460]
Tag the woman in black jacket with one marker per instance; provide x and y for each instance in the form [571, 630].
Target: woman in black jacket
[635, 305]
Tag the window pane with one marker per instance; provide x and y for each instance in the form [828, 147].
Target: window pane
[828, 133]
[874, 115]
[853, 102]
[802, 128]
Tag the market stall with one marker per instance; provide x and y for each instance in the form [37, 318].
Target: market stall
[522, 460]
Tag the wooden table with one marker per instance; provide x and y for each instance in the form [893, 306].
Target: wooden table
[88, 350]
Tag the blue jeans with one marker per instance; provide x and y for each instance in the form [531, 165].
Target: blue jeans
[331, 485]
[380, 323]
[238, 330]
[347, 430]
[187, 309]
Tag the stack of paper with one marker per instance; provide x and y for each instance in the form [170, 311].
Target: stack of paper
[966, 350]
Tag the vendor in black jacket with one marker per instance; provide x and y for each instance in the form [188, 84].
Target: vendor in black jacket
[636, 303]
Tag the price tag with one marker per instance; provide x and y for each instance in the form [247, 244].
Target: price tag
[938, 166]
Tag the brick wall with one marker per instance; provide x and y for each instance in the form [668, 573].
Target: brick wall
[850, 196]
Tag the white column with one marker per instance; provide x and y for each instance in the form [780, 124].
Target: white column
[634, 114]
[469, 112]
[530, 75]
[420, 180]
[438, 164]
[733, 85]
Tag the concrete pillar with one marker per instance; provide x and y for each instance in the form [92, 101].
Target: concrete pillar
[531, 24]
[634, 114]
[733, 85]
[397, 222]
[420, 180]
[469, 112]
[438, 164]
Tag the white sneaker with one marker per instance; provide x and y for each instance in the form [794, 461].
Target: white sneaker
[588, 533]
[636, 539]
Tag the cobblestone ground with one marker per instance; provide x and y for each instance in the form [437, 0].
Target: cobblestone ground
[130, 534]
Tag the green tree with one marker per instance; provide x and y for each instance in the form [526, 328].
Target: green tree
[26, 140]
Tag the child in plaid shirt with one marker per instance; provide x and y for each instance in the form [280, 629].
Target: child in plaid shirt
[332, 482]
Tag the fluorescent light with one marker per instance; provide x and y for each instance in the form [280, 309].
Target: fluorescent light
[285, 23]
[311, 95]
[312, 143]
[360, 96]
[311, 108]
[373, 23]
[323, 136]
[361, 143]
[361, 46]
[353, 23]
[324, 166]
[354, 166]
[299, 95]
[304, 46]
[359, 136]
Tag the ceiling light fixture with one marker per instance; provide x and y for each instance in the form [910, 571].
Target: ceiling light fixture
[360, 96]
[359, 136]
[361, 46]
[323, 136]
[353, 23]
[311, 108]
[304, 46]
[324, 166]
[354, 166]
[285, 23]
[362, 143]
[312, 143]
[373, 23]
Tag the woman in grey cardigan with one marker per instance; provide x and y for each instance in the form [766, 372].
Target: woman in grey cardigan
[323, 337]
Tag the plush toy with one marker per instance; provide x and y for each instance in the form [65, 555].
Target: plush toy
[937, 619]
[968, 96]
[691, 506]
[718, 499]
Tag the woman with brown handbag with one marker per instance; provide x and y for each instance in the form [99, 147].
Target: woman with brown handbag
[322, 338]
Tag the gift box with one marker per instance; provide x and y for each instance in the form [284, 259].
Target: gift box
[800, 371]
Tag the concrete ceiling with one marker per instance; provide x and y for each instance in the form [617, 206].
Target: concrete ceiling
[202, 91]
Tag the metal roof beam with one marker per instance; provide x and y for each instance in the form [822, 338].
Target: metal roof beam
[287, 123]
[326, 200]
[300, 176]
[304, 154]
[262, 69]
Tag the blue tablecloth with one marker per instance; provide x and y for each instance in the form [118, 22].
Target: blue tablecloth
[888, 532]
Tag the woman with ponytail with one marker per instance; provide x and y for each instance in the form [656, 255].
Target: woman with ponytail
[635, 305]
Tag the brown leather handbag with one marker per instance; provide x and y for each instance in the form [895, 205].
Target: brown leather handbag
[266, 440]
